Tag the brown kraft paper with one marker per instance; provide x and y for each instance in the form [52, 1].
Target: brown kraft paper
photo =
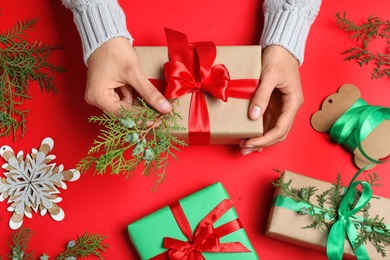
[229, 121]
[287, 225]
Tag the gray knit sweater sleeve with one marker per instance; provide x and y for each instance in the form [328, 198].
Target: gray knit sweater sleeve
[287, 23]
[97, 21]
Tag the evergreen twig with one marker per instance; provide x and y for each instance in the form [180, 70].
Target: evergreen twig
[140, 136]
[20, 240]
[365, 33]
[22, 62]
[86, 245]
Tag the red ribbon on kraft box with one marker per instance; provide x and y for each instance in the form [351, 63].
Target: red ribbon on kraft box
[191, 70]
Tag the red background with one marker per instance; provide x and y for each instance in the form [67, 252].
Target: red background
[107, 204]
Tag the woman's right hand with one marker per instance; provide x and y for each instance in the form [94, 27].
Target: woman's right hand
[114, 73]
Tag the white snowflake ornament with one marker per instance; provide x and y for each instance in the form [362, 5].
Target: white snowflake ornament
[31, 183]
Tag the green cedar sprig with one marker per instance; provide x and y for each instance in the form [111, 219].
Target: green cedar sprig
[324, 211]
[140, 136]
[20, 240]
[21, 63]
[365, 33]
[86, 245]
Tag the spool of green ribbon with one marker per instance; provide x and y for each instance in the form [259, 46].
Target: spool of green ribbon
[356, 124]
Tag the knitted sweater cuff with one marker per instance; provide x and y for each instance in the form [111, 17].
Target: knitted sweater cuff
[98, 23]
[289, 29]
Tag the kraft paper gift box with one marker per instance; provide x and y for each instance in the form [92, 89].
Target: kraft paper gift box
[287, 225]
[148, 233]
[228, 121]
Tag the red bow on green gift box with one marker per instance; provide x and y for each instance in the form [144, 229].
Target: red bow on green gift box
[205, 238]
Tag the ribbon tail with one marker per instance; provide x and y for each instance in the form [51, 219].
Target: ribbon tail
[206, 53]
[352, 233]
[181, 220]
[335, 246]
[178, 47]
[228, 228]
[231, 247]
[216, 213]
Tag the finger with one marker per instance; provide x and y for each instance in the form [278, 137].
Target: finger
[257, 144]
[273, 136]
[154, 98]
[260, 99]
[136, 78]
[246, 151]
[277, 134]
[150, 93]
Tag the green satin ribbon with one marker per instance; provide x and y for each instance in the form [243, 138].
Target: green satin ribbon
[344, 225]
[356, 124]
[291, 204]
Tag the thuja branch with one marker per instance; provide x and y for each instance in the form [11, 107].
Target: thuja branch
[86, 245]
[19, 246]
[304, 194]
[21, 63]
[83, 246]
[140, 136]
[364, 34]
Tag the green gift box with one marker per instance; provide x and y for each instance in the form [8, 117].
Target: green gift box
[149, 234]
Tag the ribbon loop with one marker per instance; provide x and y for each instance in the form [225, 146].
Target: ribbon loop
[192, 69]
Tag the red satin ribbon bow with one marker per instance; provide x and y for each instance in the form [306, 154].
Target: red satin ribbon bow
[205, 238]
[191, 70]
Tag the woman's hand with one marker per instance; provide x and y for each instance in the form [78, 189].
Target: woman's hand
[278, 98]
[114, 73]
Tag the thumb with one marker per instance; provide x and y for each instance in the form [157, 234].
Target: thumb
[260, 99]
